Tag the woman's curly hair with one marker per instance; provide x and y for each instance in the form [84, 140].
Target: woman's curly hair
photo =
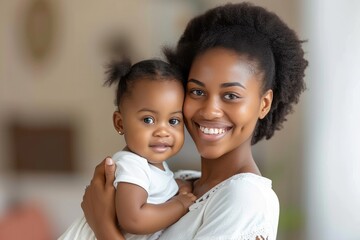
[261, 36]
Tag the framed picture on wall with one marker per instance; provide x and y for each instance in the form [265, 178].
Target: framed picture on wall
[42, 148]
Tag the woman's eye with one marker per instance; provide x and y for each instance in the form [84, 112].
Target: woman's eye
[149, 120]
[174, 121]
[231, 96]
[197, 92]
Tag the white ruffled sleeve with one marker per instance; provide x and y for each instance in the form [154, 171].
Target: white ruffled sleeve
[187, 174]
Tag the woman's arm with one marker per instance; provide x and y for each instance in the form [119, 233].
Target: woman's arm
[138, 217]
[99, 202]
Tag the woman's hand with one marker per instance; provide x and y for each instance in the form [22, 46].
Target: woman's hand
[99, 202]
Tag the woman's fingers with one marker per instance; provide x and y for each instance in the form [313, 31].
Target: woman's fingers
[98, 180]
[109, 172]
[99, 174]
[98, 201]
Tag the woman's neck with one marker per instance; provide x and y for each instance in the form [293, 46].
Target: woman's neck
[214, 171]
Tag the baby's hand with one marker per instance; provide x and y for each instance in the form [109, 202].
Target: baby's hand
[186, 199]
[184, 185]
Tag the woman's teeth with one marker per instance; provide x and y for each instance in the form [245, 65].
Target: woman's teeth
[212, 131]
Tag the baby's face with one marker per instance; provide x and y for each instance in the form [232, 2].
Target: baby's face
[152, 119]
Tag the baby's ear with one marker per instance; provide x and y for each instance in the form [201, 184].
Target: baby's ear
[265, 105]
[118, 122]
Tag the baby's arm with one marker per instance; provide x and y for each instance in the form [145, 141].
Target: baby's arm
[136, 216]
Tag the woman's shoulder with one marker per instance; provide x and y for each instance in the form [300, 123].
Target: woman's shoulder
[249, 179]
[247, 195]
[243, 187]
[244, 203]
[248, 184]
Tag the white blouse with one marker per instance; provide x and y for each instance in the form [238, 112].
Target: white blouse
[241, 207]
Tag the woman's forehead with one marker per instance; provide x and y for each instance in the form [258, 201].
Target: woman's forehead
[224, 65]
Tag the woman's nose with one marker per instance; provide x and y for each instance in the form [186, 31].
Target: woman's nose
[211, 109]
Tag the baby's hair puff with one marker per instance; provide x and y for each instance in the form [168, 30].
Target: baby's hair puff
[125, 74]
[116, 70]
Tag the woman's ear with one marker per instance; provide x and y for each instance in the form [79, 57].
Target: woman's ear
[118, 122]
[265, 105]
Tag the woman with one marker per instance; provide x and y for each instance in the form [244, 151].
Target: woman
[244, 71]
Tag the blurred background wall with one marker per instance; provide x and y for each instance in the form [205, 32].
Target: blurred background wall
[52, 56]
[332, 116]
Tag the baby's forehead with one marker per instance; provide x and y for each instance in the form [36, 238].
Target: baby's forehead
[162, 104]
[155, 84]
[155, 89]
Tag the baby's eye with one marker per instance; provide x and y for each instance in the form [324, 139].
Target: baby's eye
[149, 120]
[174, 121]
[231, 96]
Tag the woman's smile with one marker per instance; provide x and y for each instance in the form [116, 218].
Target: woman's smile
[212, 131]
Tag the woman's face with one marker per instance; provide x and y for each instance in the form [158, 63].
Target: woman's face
[223, 101]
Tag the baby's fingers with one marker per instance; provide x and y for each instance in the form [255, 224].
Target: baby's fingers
[191, 196]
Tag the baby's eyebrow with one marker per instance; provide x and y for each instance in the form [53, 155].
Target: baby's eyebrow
[147, 110]
[156, 112]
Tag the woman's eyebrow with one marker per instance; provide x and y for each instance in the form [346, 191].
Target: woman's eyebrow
[232, 84]
[223, 85]
[196, 82]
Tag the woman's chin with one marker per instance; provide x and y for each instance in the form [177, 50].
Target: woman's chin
[210, 153]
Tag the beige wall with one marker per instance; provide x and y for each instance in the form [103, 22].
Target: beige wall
[67, 87]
